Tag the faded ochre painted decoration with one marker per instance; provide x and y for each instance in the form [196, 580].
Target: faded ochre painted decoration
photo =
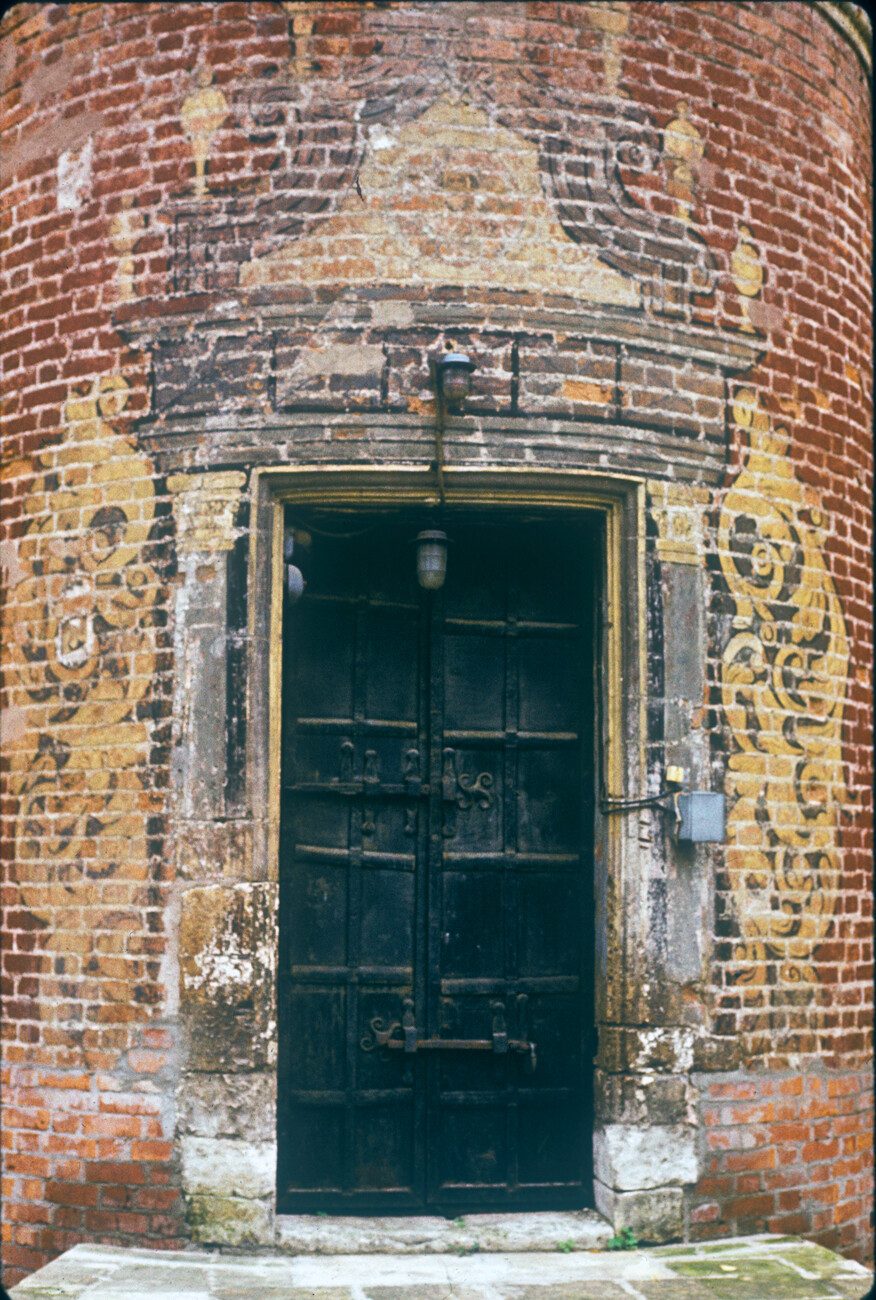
[783, 684]
[612, 18]
[79, 657]
[450, 198]
[204, 507]
[202, 114]
[127, 228]
[302, 14]
[748, 274]
[678, 512]
[684, 148]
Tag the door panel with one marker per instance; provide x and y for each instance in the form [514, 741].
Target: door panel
[474, 681]
[436, 883]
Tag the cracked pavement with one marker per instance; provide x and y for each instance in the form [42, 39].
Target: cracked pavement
[749, 1268]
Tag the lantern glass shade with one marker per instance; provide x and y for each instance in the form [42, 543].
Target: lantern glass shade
[431, 559]
[295, 583]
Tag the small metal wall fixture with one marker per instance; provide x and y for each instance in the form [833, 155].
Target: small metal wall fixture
[452, 387]
[452, 384]
[700, 817]
[431, 558]
[294, 577]
[453, 371]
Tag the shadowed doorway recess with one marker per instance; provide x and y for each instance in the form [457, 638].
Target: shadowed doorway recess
[436, 927]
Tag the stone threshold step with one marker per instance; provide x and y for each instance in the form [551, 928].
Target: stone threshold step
[319, 1234]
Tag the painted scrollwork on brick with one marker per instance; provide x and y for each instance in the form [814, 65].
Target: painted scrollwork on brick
[312, 141]
[586, 173]
[310, 146]
[591, 150]
[80, 658]
[783, 686]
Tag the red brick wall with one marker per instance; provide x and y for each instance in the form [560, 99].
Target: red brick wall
[782, 111]
[87, 1050]
[787, 1153]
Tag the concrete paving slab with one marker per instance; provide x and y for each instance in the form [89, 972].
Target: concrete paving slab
[423, 1293]
[601, 1290]
[752, 1279]
[748, 1268]
[279, 1292]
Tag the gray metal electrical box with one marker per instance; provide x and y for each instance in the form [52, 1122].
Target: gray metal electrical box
[702, 817]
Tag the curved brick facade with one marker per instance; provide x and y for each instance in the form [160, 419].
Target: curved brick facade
[233, 238]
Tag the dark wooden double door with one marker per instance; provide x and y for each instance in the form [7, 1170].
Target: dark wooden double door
[434, 985]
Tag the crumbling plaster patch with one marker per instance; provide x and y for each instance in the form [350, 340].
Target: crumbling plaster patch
[74, 176]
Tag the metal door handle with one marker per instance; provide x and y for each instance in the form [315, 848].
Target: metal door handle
[383, 1035]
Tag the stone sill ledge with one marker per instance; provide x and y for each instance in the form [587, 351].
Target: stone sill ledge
[309, 1234]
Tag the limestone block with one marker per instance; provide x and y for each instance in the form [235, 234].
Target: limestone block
[200, 634]
[641, 1099]
[312, 1234]
[205, 848]
[679, 513]
[629, 1158]
[227, 951]
[204, 508]
[668, 1049]
[227, 1221]
[229, 1106]
[653, 1216]
[228, 1167]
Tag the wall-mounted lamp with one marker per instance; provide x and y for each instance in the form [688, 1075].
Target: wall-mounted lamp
[431, 559]
[452, 387]
[295, 583]
[454, 378]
